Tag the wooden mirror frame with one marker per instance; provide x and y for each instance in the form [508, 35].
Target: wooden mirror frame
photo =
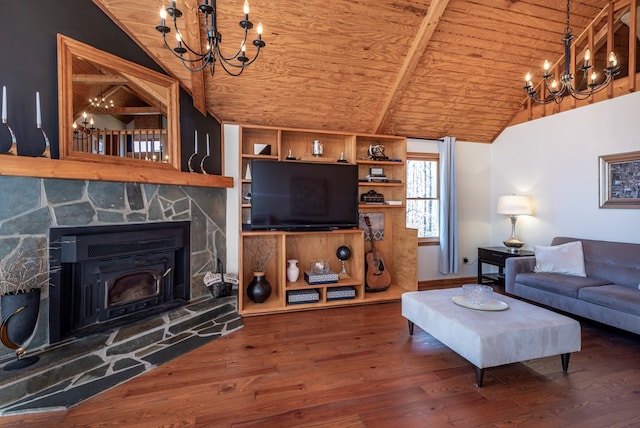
[67, 48]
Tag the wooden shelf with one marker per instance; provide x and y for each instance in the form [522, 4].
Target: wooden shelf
[378, 162]
[381, 206]
[301, 284]
[24, 166]
[273, 157]
[380, 184]
[274, 305]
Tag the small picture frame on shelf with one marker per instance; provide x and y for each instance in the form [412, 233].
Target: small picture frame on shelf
[261, 149]
[376, 172]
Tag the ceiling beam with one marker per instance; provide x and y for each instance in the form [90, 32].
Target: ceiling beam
[138, 111]
[191, 35]
[419, 45]
[103, 79]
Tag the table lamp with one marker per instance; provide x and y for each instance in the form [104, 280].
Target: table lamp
[513, 206]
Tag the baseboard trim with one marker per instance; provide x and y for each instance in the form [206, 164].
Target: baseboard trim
[433, 284]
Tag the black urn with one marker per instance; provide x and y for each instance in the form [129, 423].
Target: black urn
[259, 288]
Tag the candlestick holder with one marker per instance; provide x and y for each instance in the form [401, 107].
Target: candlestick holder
[202, 165]
[13, 150]
[47, 148]
[190, 160]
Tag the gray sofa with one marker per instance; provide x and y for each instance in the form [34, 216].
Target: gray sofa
[609, 293]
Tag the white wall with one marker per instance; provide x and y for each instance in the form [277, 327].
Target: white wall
[555, 160]
[231, 134]
[473, 162]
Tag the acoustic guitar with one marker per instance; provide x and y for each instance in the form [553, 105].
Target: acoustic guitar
[377, 277]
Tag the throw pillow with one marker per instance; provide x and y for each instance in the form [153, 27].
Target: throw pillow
[567, 259]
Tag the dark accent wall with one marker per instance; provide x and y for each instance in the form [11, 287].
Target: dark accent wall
[28, 42]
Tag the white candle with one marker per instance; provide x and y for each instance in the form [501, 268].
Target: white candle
[4, 104]
[208, 145]
[38, 118]
[195, 148]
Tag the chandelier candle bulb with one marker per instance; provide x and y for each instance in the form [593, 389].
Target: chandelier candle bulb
[38, 118]
[246, 9]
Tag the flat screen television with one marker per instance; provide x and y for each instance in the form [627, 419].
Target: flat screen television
[300, 196]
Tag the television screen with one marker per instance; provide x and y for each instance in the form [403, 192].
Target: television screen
[303, 196]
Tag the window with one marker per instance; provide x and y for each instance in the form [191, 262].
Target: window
[423, 199]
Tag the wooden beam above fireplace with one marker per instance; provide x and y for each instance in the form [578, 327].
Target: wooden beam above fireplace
[23, 166]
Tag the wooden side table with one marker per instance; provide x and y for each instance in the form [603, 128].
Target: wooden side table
[496, 256]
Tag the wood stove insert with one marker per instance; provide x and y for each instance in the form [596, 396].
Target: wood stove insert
[113, 275]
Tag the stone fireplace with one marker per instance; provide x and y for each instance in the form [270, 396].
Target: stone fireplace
[112, 275]
[33, 206]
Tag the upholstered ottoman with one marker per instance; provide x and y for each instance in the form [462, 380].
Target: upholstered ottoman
[489, 338]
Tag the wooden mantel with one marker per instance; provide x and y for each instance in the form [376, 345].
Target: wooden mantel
[24, 166]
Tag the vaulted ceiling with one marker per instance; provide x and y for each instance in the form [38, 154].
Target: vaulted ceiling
[405, 67]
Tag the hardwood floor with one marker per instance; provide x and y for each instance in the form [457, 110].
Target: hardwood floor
[358, 367]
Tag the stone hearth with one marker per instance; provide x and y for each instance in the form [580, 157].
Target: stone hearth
[72, 371]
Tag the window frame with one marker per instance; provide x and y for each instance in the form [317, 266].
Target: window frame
[422, 156]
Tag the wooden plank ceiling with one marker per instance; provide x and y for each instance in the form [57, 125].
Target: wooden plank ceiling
[421, 69]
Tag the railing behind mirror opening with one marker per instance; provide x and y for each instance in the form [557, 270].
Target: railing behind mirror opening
[144, 144]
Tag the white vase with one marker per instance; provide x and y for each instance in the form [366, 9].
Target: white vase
[293, 271]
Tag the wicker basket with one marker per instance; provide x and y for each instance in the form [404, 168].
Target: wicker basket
[219, 284]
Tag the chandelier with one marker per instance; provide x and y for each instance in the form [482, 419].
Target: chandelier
[555, 92]
[101, 103]
[196, 61]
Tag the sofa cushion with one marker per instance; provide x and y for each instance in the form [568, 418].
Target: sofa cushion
[619, 262]
[613, 296]
[566, 258]
[566, 285]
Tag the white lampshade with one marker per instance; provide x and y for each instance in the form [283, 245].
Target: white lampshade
[514, 205]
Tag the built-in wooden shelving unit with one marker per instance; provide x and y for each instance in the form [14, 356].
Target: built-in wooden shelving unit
[399, 245]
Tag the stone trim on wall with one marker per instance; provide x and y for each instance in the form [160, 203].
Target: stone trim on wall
[30, 206]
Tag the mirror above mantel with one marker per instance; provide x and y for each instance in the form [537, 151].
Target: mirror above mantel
[115, 111]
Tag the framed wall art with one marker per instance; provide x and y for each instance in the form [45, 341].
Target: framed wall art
[620, 180]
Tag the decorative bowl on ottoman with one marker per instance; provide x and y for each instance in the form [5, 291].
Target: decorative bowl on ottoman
[478, 294]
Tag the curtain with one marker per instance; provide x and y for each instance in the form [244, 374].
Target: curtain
[448, 257]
